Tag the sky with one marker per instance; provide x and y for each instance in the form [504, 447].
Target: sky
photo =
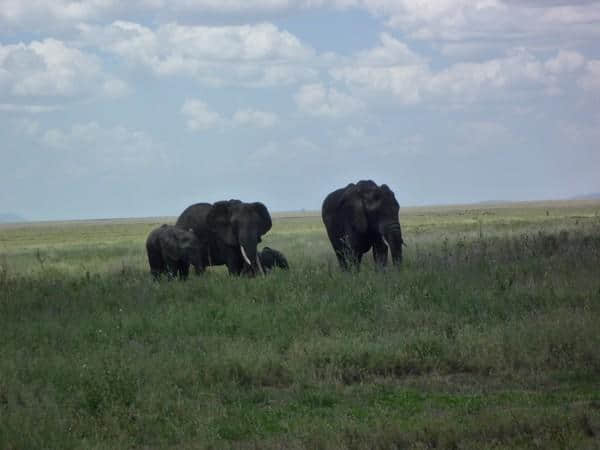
[141, 108]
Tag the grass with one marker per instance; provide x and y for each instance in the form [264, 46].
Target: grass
[486, 337]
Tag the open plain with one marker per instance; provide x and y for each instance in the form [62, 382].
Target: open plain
[488, 336]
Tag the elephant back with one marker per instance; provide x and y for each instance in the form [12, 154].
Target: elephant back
[194, 218]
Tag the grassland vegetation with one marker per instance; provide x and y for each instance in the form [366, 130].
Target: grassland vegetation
[487, 336]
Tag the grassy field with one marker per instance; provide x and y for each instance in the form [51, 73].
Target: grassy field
[487, 337]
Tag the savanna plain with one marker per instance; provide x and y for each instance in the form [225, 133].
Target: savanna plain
[488, 336]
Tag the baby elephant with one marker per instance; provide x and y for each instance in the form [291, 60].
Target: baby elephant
[171, 250]
[270, 258]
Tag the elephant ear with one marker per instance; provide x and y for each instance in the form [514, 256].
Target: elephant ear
[187, 240]
[219, 221]
[389, 194]
[353, 210]
[263, 212]
[385, 189]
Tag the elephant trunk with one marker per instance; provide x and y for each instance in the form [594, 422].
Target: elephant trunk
[392, 236]
[248, 250]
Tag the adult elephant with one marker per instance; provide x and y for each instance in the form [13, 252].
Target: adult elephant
[230, 232]
[362, 216]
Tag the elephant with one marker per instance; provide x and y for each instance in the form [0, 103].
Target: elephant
[360, 216]
[229, 231]
[271, 258]
[171, 250]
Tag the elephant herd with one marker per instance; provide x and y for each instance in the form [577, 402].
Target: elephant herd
[357, 218]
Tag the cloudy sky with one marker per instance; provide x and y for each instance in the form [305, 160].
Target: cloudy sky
[111, 108]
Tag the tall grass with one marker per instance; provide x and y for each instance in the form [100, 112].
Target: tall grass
[486, 337]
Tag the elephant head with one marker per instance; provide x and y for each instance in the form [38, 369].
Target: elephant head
[374, 210]
[181, 245]
[239, 226]
[192, 249]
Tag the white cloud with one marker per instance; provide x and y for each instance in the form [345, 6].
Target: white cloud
[46, 68]
[19, 14]
[493, 20]
[444, 20]
[462, 50]
[390, 67]
[404, 13]
[390, 52]
[256, 55]
[199, 117]
[412, 80]
[405, 83]
[317, 100]
[51, 68]
[572, 14]
[476, 80]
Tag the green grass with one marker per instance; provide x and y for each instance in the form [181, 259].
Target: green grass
[486, 337]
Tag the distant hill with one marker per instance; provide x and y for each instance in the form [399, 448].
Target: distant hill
[592, 196]
[492, 202]
[8, 218]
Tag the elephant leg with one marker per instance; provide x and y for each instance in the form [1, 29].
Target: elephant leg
[205, 262]
[348, 258]
[380, 253]
[157, 266]
[234, 268]
[234, 263]
[156, 273]
[357, 260]
[341, 253]
[171, 270]
[183, 270]
[344, 252]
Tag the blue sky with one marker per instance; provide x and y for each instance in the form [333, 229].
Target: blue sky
[140, 108]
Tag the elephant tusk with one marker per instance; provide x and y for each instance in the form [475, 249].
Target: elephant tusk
[386, 242]
[245, 256]
[262, 270]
